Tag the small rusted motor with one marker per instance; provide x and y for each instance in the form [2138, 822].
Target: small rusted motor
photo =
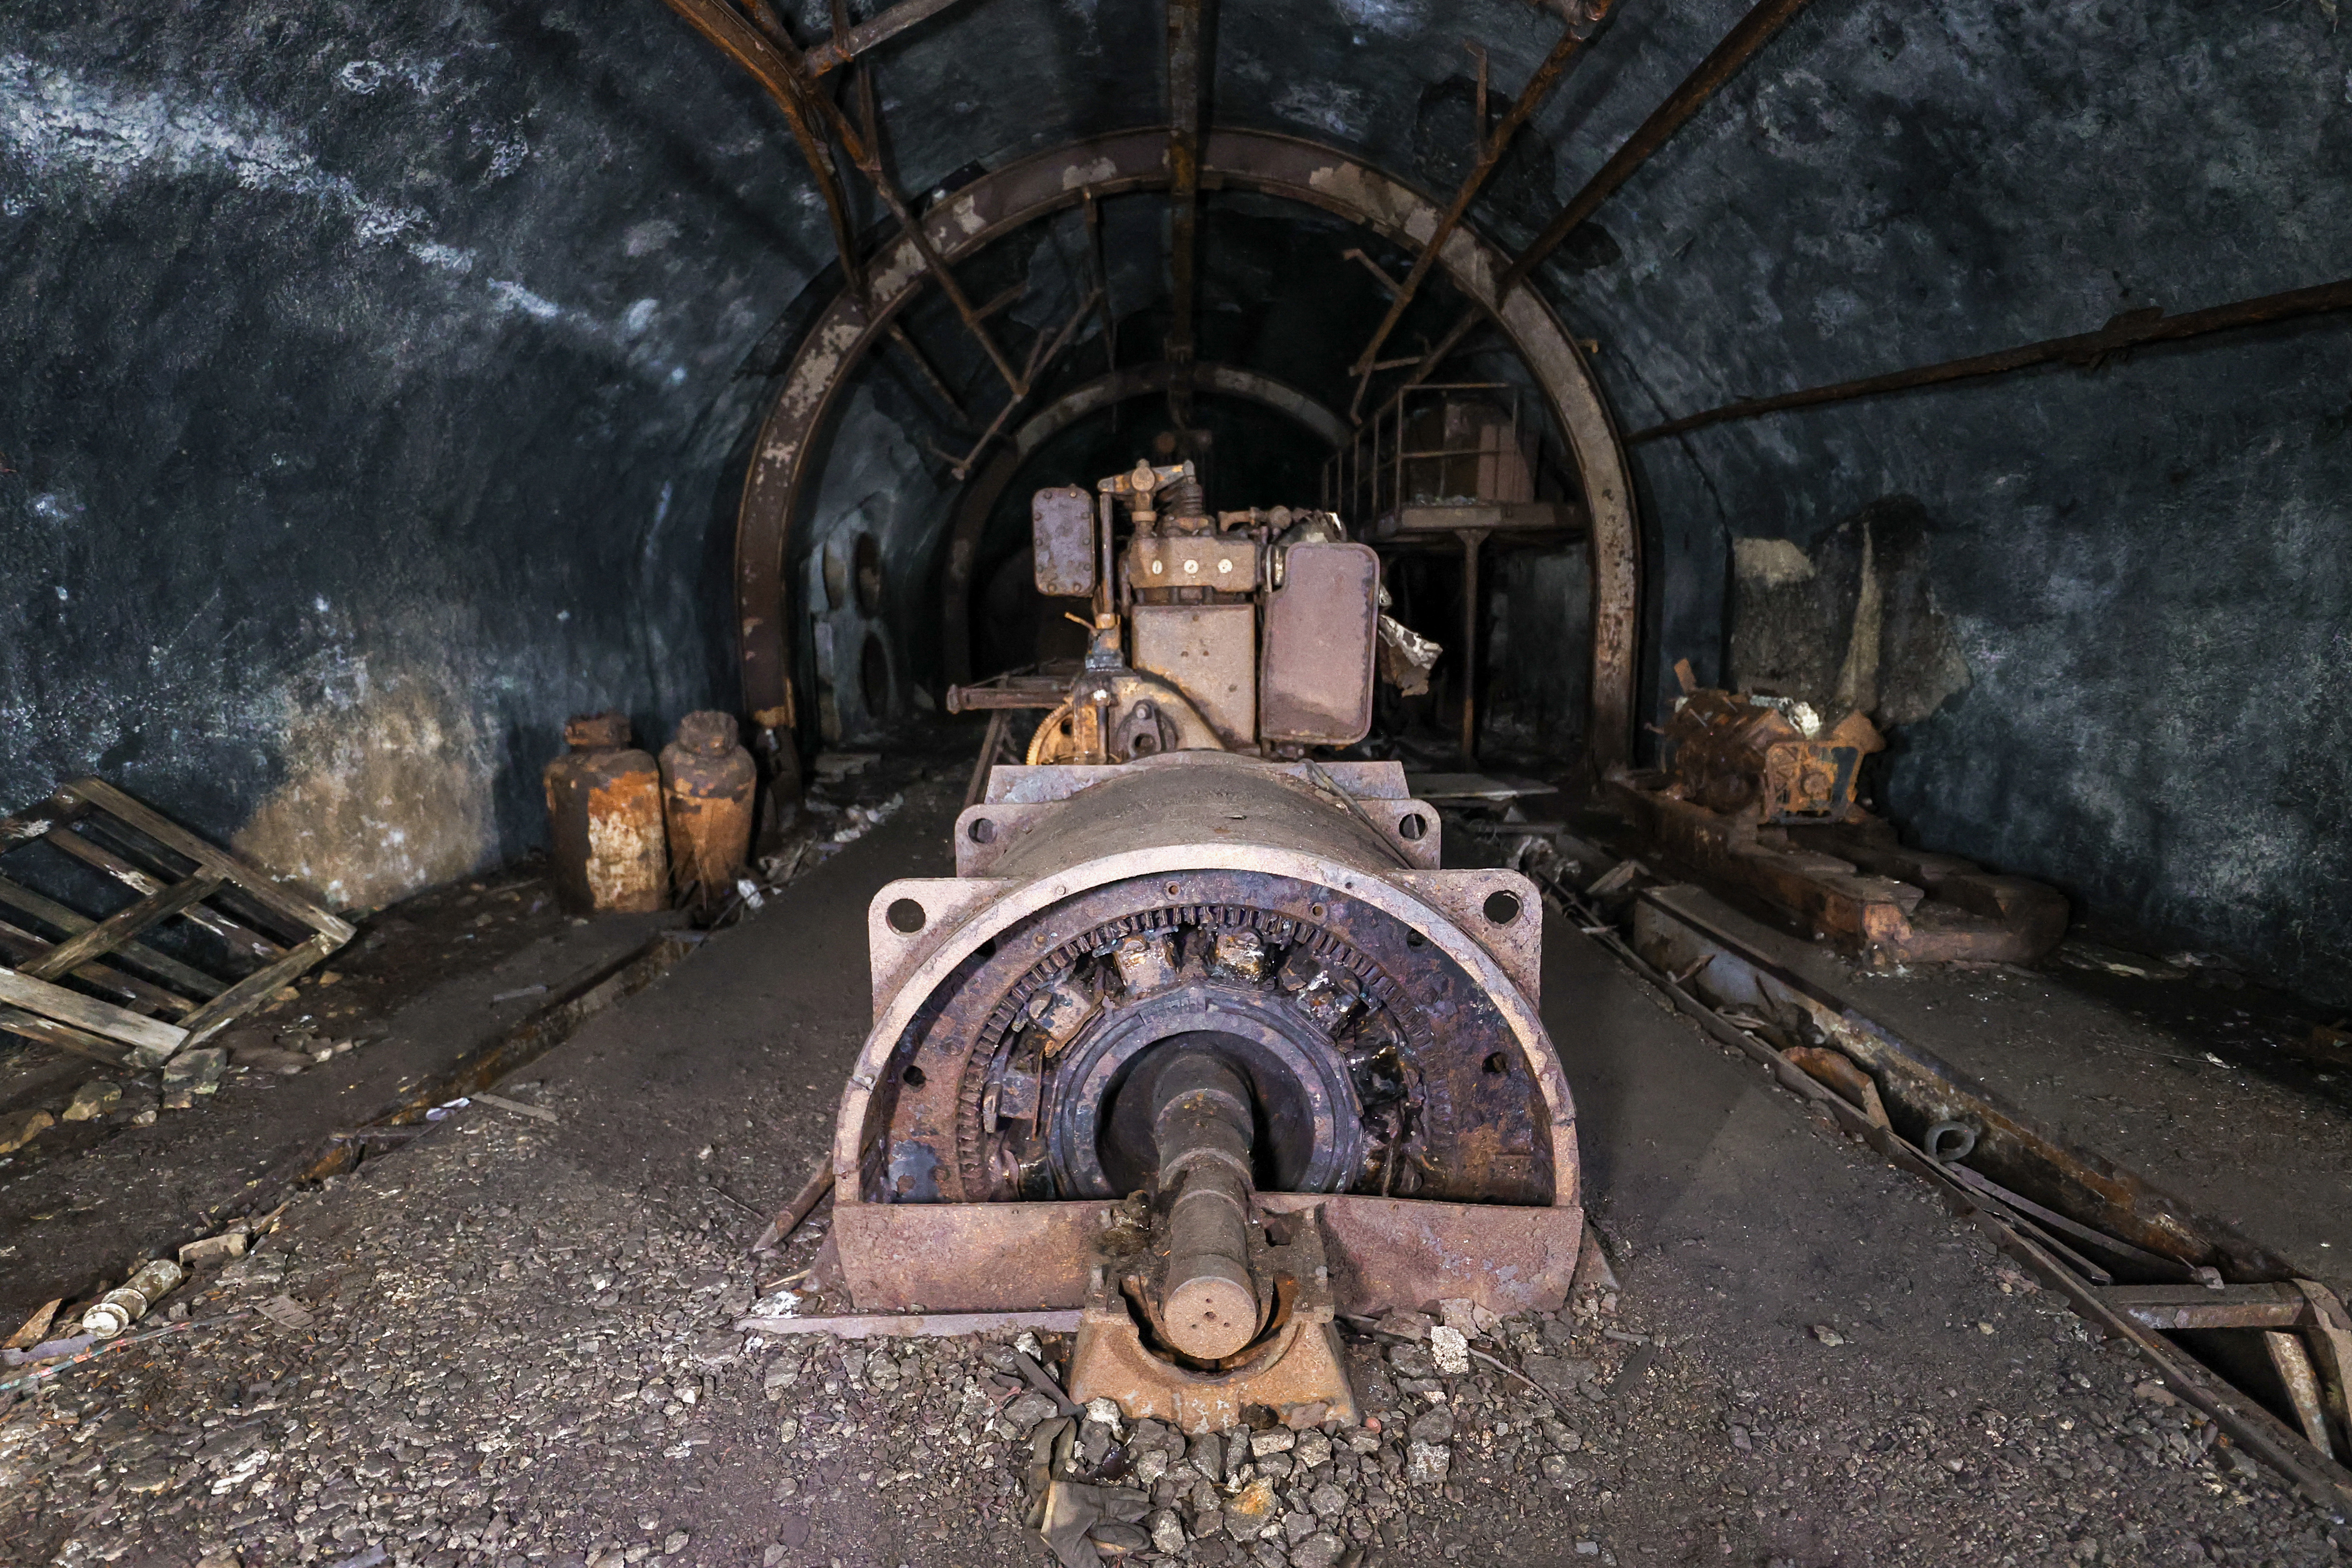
[1200, 1040]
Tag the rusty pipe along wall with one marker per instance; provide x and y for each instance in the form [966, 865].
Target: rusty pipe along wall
[1288, 917]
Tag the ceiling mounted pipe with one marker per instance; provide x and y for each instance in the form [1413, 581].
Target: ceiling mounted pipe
[780, 475]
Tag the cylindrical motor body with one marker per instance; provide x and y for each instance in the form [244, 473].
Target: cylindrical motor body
[1382, 1049]
[606, 842]
[708, 783]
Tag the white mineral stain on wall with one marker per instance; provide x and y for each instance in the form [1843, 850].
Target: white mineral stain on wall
[1773, 563]
[64, 127]
[387, 790]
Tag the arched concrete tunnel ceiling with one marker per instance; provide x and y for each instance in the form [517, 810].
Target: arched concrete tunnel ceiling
[385, 379]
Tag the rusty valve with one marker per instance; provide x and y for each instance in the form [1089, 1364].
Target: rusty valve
[1209, 1305]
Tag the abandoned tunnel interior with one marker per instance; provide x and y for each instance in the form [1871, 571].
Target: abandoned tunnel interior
[1325, 783]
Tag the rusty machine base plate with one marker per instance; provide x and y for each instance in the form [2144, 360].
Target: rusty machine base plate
[1295, 1368]
[1383, 1253]
[1853, 884]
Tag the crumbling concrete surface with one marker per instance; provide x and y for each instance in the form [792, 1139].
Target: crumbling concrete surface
[521, 1350]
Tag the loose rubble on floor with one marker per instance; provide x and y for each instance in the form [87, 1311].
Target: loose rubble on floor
[472, 1353]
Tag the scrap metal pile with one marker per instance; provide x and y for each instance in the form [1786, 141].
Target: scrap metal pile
[1760, 794]
[1200, 1041]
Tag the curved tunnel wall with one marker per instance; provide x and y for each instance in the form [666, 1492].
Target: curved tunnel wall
[382, 379]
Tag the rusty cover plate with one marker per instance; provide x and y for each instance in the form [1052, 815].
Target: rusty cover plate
[1205, 651]
[1315, 681]
[967, 1258]
[1384, 1252]
[1406, 1253]
[1062, 532]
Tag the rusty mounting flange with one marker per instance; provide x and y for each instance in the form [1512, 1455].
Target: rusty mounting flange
[1293, 1367]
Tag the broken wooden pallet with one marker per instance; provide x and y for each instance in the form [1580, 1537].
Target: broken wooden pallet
[90, 984]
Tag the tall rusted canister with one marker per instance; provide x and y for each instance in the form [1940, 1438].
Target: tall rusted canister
[708, 780]
[604, 820]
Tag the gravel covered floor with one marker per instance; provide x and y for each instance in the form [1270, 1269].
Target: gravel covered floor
[520, 1351]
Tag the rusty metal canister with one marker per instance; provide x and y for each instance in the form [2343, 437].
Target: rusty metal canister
[604, 820]
[708, 783]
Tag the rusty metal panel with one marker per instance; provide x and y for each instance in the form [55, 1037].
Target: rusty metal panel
[1384, 1252]
[971, 1258]
[1205, 651]
[1405, 1253]
[1193, 561]
[1062, 530]
[1315, 683]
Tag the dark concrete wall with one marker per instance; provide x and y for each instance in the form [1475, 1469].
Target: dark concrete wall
[381, 374]
[371, 370]
[2147, 566]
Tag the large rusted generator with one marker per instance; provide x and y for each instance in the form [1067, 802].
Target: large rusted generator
[1199, 1039]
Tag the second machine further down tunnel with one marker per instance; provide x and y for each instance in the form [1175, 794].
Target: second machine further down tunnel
[1200, 1040]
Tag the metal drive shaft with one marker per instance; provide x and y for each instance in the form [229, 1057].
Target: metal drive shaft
[1209, 1306]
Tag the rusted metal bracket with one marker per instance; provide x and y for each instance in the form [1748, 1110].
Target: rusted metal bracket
[1739, 46]
[753, 48]
[2089, 351]
[1491, 148]
[776, 63]
[1042, 355]
[848, 43]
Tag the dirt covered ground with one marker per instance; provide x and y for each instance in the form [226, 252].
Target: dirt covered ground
[520, 1349]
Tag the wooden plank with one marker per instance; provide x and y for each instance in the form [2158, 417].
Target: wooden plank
[49, 1032]
[19, 946]
[180, 841]
[36, 820]
[224, 1008]
[54, 1001]
[120, 927]
[2173, 1308]
[67, 921]
[241, 937]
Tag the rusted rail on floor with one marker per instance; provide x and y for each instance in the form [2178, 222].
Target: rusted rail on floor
[2130, 329]
[2306, 1334]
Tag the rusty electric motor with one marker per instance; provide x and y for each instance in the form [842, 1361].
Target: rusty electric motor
[1202, 1041]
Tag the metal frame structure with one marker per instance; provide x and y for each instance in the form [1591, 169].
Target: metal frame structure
[782, 469]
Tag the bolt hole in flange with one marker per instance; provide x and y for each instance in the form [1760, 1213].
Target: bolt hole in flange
[1497, 1063]
[912, 1078]
[905, 916]
[981, 831]
[1502, 907]
[1411, 826]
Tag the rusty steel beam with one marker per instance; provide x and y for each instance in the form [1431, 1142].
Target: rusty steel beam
[1184, 75]
[848, 43]
[768, 52]
[1042, 356]
[861, 77]
[1739, 46]
[2128, 331]
[1099, 265]
[785, 457]
[868, 155]
[1491, 148]
[750, 47]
